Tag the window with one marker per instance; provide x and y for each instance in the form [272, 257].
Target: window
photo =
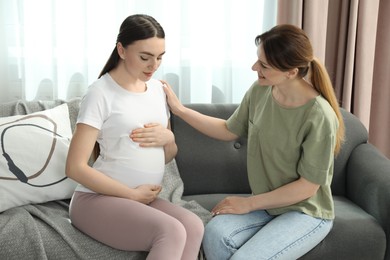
[55, 49]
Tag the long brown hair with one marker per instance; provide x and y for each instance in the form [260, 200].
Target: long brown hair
[288, 47]
[133, 28]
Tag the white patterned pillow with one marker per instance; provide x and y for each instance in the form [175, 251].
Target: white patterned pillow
[33, 150]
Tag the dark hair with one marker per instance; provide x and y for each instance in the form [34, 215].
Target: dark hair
[133, 28]
[287, 47]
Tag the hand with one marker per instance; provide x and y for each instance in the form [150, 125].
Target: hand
[173, 102]
[232, 205]
[152, 135]
[147, 193]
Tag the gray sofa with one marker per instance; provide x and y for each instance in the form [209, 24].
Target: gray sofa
[210, 170]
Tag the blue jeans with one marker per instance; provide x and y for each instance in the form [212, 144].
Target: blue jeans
[258, 235]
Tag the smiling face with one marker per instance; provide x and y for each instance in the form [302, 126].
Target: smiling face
[267, 75]
[143, 57]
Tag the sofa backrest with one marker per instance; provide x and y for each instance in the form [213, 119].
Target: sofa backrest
[22, 107]
[355, 134]
[207, 165]
[211, 166]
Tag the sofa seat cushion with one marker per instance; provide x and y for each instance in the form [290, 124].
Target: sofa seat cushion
[353, 228]
[208, 201]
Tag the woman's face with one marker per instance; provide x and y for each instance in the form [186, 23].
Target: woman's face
[142, 58]
[267, 75]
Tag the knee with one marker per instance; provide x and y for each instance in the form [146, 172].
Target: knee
[194, 227]
[169, 240]
[218, 242]
[214, 236]
[176, 230]
[172, 232]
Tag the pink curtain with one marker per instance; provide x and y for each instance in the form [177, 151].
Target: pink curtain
[352, 38]
[380, 106]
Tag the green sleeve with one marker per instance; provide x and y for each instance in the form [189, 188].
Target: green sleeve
[318, 149]
[239, 120]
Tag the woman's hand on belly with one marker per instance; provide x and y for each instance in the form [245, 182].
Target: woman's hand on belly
[146, 193]
[152, 135]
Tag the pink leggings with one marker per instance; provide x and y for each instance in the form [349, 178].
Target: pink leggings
[166, 230]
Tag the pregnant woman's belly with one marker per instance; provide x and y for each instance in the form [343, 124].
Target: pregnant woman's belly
[131, 164]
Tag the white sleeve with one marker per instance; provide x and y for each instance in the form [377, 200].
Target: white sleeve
[93, 108]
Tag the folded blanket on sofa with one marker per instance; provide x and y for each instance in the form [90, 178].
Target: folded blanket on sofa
[44, 231]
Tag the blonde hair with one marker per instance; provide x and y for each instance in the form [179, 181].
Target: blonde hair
[287, 47]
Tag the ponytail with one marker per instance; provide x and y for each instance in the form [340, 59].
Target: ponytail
[111, 62]
[321, 81]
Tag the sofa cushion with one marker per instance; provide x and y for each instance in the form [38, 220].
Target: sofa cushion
[353, 228]
[208, 201]
[222, 164]
[34, 149]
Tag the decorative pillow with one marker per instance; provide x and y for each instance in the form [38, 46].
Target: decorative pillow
[33, 155]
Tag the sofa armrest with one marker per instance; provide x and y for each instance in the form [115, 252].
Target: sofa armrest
[368, 184]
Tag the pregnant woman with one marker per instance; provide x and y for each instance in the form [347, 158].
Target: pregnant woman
[125, 113]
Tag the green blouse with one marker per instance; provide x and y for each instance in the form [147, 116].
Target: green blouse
[286, 143]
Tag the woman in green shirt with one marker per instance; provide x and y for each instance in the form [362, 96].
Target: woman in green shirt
[294, 127]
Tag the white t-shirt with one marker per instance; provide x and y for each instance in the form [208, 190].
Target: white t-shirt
[116, 112]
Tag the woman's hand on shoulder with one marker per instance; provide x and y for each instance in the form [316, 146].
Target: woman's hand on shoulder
[146, 193]
[174, 104]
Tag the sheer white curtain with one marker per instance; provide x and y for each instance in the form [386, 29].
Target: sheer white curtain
[53, 49]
